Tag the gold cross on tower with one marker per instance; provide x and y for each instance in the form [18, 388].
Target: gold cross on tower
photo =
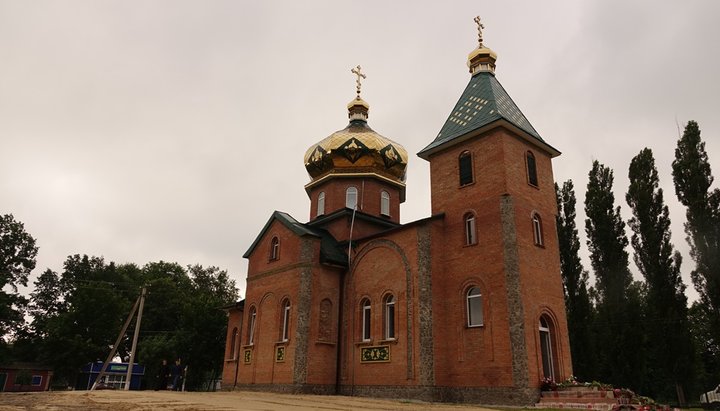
[480, 28]
[357, 72]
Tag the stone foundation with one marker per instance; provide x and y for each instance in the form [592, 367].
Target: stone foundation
[469, 395]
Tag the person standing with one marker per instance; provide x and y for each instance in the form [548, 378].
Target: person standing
[162, 377]
[176, 371]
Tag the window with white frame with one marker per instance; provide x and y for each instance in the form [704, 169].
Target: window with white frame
[351, 197]
[474, 307]
[385, 203]
[389, 317]
[366, 315]
[233, 343]
[321, 203]
[274, 248]
[537, 229]
[470, 229]
[251, 326]
[285, 332]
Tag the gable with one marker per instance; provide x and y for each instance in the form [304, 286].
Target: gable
[287, 221]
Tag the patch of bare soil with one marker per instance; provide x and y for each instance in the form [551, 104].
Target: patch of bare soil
[237, 400]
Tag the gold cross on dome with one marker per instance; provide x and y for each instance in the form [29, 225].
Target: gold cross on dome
[480, 28]
[357, 72]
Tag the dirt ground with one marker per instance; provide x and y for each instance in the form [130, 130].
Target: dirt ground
[238, 400]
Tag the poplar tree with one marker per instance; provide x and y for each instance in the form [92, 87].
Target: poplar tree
[575, 283]
[692, 177]
[669, 351]
[619, 334]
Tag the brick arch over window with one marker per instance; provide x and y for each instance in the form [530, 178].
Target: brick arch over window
[389, 316]
[234, 344]
[470, 228]
[408, 299]
[465, 168]
[548, 348]
[274, 249]
[365, 319]
[537, 228]
[285, 319]
[474, 291]
[531, 167]
[251, 326]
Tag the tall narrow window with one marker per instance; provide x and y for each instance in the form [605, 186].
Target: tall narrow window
[274, 248]
[384, 203]
[466, 172]
[546, 348]
[537, 229]
[389, 317]
[251, 327]
[233, 343]
[351, 197]
[531, 169]
[470, 230]
[285, 332]
[321, 203]
[366, 320]
[474, 307]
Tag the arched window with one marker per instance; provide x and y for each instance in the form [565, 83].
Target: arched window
[285, 331]
[470, 230]
[274, 248]
[351, 197]
[233, 344]
[384, 203]
[389, 317]
[474, 307]
[365, 319]
[465, 165]
[321, 203]
[537, 229]
[251, 326]
[546, 347]
[531, 169]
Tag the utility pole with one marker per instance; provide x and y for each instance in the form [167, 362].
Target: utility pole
[135, 339]
[138, 302]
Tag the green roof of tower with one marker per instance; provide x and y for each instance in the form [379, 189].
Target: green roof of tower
[483, 102]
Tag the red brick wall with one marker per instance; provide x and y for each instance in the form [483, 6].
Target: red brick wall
[368, 196]
[232, 353]
[482, 356]
[379, 270]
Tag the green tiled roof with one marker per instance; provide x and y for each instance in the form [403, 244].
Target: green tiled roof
[330, 250]
[483, 102]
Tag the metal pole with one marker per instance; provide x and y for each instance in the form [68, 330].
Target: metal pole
[135, 339]
[115, 346]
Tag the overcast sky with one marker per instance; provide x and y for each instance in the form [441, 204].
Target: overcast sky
[171, 130]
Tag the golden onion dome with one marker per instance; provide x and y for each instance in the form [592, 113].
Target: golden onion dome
[357, 149]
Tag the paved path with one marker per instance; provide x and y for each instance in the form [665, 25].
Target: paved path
[238, 400]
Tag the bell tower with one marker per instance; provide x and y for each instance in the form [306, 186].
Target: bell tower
[491, 177]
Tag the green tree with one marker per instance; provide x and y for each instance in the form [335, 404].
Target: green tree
[575, 285]
[693, 178]
[97, 298]
[669, 365]
[17, 260]
[619, 311]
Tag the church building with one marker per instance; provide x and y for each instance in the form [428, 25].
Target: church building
[465, 305]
